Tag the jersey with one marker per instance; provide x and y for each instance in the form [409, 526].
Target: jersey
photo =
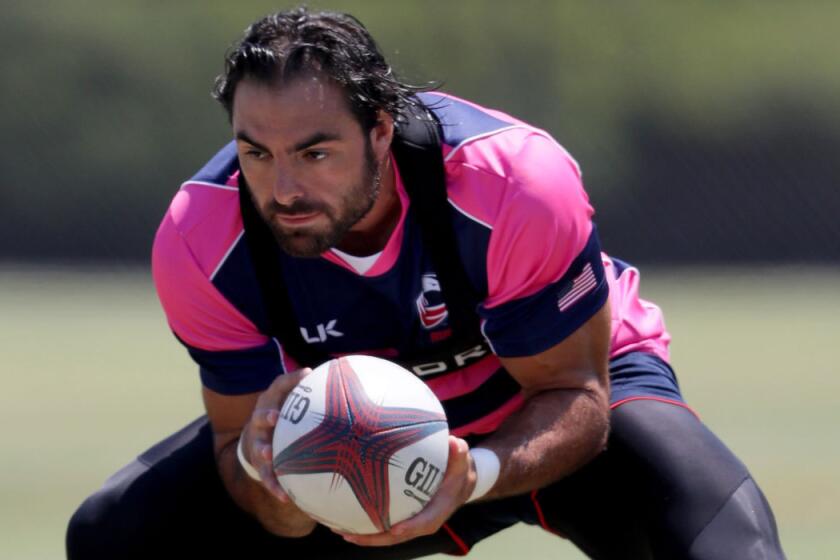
[524, 231]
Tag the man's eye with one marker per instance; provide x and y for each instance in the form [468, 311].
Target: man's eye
[256, 154]
[315, 155]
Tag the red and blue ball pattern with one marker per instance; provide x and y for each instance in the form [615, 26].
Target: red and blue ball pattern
[356, 440]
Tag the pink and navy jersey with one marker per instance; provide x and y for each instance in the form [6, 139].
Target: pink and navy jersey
[525, 234]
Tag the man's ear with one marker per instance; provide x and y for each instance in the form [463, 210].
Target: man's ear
[382, 134]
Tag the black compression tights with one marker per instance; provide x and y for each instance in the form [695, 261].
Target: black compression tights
[666, 488]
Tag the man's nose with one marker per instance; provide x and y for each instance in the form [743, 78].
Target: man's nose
[286, 188]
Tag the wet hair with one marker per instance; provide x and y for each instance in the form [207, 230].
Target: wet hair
[297, 43]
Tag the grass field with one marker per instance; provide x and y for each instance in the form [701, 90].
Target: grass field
[91, 376]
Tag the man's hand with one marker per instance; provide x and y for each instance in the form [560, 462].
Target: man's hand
[454, 490]
[258, 433]
[253, 417]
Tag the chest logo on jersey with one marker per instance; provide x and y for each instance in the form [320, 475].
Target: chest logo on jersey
[447, 364]
[322, 332]
[430, 305]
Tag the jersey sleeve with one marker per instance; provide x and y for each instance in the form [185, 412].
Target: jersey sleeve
[232, 355]
[544, 269]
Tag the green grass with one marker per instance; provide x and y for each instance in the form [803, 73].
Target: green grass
[91, 376]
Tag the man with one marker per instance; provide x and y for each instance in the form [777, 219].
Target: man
[570, 418]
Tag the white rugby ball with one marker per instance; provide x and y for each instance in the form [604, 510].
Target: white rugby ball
[361, 444]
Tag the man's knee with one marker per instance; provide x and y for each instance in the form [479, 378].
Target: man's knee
[94, 529]
[121, 518]
[129, 517]
[166, 492]
[744, 527]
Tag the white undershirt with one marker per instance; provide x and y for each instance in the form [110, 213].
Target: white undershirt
[359, 264]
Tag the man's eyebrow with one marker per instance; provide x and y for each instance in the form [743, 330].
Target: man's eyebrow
[313, 139]
[307, 142]
[243, 136]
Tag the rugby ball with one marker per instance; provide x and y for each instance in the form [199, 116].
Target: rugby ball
[361, 444]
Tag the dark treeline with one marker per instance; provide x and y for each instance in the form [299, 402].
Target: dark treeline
[707, 132]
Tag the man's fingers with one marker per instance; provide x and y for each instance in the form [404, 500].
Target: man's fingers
[261, 434]
[425, 522]
[264, 419]
[457, 465]
[458, 452]
[265, 453]
[282, 386]
[380, 539]
[388, 538]
[257, 435]
[262, 454]
[270, 482]
[267, 409]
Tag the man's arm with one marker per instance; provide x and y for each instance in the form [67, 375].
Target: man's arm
[562, 425]
[253, 416]
[565, 420]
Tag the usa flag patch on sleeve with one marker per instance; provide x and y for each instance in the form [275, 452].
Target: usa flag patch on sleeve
[534, 323]
[581, 285]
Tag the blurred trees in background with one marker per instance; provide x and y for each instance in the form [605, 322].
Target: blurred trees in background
[707, 131]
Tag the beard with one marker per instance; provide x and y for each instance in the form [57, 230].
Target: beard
[310, 242]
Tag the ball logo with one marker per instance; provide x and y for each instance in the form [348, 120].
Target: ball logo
[295, 407]
[430, 304]
[422, 476]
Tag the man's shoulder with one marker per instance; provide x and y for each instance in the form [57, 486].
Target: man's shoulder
[464, 121]
[199, 263]
[486, 138]
[497, 164]
[203, 217]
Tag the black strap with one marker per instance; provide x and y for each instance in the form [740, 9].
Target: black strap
[282, 323]
[417, 150]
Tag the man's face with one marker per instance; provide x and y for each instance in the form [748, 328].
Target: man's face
[312, 171]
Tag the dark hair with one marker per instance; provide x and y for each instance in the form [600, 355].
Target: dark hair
[297, 42]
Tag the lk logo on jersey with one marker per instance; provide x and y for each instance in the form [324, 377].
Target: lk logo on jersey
[430, 305]
[322, 332]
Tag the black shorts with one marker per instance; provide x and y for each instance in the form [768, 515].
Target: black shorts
[638, 375]
[665, 487]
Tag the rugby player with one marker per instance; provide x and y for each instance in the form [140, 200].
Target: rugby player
[566, 413]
